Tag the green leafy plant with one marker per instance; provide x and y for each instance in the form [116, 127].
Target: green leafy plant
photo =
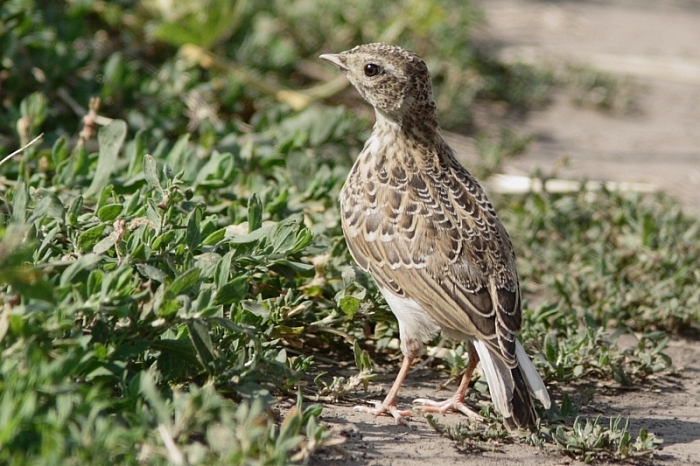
[592, 439]
[584, 440]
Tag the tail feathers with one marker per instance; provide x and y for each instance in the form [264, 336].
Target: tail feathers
[512, 390]
[534, 381]
[498, 378]
[524, 414]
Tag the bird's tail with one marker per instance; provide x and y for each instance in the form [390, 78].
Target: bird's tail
[513, 390]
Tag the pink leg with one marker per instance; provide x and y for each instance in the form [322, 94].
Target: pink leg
[389, 403]
[456, 401]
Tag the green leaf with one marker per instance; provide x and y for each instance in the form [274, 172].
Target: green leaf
[255, 308]
[135, 152]
[152, 273]
[193, 235]
[19, 203]
[105, 244]
[255, 211]
[94, 282]
[168, 173]
[224, 269]
[349, 305]
[281, 356]
[109, 212]
[163, 241]
[289, 429]
[48, 205]
[167, 307]
[85, 262]
[566, 406]
[303, 239]
[59, 151]
[182, 349]
[286, 331]
[227, 324]
[110, 139]
[214, 237]
[296, 266]
[284, 237]
[88, 238]
[250, 237]
[199, 334]
[74, 210]
[207, 263]
[233, 291]
[357, 353]
[150, 172]
[183, 283]
[105, 195]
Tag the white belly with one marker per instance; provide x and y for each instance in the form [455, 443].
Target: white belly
[415, 325]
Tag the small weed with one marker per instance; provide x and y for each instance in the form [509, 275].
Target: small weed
[596, 439]
[584, 440]
[480, 436]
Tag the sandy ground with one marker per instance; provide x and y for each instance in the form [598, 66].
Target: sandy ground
[657, 45]
[670, 409]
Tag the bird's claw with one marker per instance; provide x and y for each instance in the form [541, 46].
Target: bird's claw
[451, 404]
[386, 408]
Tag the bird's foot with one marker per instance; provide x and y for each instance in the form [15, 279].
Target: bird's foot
[455, 403]
[386, 407]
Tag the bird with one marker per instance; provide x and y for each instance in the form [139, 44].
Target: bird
[423, 227]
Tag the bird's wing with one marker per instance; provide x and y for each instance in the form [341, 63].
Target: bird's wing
[436, 239]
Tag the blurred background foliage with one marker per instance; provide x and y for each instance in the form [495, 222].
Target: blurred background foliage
[171, 259]
[146, 59]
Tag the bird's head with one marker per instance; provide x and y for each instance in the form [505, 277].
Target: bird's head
[393, 80]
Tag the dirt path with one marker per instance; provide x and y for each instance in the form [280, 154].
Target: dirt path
[658, 45]
[670, 409]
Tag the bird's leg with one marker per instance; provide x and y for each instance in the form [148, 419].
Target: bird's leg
[456, 401]
[389, 403]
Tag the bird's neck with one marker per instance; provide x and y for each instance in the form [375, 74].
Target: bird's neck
[419, 129]
[418, 126]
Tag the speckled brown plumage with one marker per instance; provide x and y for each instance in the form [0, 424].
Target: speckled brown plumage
[421, 224]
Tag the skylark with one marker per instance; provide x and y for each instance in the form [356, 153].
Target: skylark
[421, 224]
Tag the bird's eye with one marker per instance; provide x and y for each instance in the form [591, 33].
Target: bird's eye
[372, 70]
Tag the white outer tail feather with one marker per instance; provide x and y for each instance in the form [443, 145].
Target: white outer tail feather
[500, 380]
[532, 377]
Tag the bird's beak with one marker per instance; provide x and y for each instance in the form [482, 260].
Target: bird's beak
[334, 59]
